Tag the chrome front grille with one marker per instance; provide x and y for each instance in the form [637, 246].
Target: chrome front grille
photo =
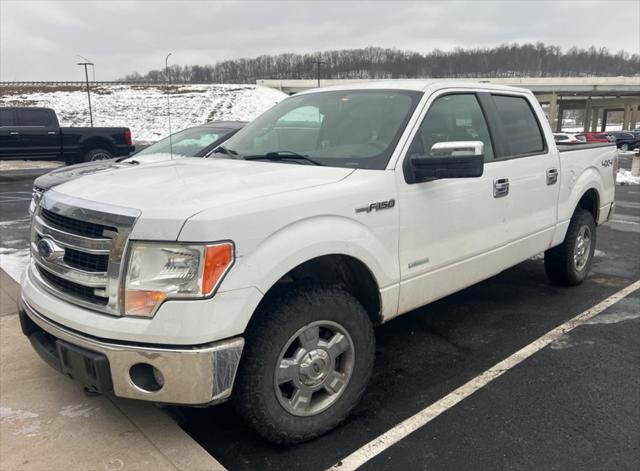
[77, 247]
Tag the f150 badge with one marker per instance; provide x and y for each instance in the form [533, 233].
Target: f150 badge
[377, 206]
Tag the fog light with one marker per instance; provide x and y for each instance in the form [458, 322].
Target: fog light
[146, 377]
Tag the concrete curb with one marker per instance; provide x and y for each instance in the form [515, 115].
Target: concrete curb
[35, 420]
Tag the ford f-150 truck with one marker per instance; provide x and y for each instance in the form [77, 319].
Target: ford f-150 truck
[34, 133]
[258, 273]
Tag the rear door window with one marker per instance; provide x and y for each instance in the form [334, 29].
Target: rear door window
[34, 118]
[522, 132]
[6, 117]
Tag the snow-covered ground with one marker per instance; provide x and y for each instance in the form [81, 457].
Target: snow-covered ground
[27, 164]
[144, 108]
[14, 255]
[579, 129]
[625, 177]
[14, 261]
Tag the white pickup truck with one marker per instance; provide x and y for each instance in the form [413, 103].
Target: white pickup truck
[258, 273]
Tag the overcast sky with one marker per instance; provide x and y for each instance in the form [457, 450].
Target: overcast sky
[39, 40]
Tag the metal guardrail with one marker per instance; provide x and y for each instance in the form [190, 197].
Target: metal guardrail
[82, 83]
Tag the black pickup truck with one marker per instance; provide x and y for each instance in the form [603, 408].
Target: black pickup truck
[34, 133]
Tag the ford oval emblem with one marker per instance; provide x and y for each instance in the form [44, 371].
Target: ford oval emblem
[48, 250]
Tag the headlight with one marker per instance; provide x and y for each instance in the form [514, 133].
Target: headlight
[159, 271]
[36, 196]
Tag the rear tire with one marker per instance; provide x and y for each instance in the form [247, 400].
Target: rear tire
[293, 384]
[569, 263]
[97, 154]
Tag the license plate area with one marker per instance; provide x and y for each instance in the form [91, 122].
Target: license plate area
[89, 368]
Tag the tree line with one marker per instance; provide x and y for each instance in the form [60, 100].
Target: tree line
[507, 60]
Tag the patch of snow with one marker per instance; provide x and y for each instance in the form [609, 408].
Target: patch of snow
[9, 414]
[27, 164]
[14, 261]
[21, 420]
[567, 342]
[580, 129]
[613, 318]
[625, 177]
[78, 410]
[143, 108]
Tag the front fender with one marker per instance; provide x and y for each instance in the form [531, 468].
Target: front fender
[310, 238]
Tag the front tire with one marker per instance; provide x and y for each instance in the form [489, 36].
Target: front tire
[308, 358]
[569, 263]
[624, 147]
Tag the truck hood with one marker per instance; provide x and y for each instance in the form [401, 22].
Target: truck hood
[65, 174]
[167, 193]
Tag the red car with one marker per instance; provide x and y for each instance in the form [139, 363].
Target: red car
[599, 137]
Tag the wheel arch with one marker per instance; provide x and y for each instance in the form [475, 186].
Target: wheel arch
[337, 269]
[590, 201]
[95, 142]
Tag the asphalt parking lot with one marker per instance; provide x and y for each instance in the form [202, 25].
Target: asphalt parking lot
[574, 404]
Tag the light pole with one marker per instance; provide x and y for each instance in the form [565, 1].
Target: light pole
[93, 67]
[318, 63]
[86, 76]
[166, 71]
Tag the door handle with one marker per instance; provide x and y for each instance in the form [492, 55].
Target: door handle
[51, 132]
[14, 133]
[552, 176]
[500, 187]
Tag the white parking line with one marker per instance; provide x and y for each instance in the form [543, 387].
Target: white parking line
[413, 423]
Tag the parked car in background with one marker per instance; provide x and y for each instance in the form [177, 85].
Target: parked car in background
[258, 273]
[34, 133]
[626, 140]
[602, 137]
[197, 141]
[568, 138]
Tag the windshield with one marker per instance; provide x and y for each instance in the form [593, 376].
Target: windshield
[189, 142]
[353, 128]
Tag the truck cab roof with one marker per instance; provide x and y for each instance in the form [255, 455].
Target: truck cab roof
[420, 85]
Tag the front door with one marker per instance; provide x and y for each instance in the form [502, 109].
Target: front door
[9, 134]
[449, 227]
[39, 134]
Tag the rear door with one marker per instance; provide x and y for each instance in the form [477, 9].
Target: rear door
[531, 172]
[9, 134]
[39, 133]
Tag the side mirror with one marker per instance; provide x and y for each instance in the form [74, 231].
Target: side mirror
[455, 159]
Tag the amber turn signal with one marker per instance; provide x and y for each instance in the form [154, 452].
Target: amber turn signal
[142, 302]
[218, 258]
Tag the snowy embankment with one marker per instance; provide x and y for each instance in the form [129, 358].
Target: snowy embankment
[143, 108]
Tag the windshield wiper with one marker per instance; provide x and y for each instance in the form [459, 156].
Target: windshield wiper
[223, 150]
[282, 155]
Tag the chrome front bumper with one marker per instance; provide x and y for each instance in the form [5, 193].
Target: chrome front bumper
[197, 375]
